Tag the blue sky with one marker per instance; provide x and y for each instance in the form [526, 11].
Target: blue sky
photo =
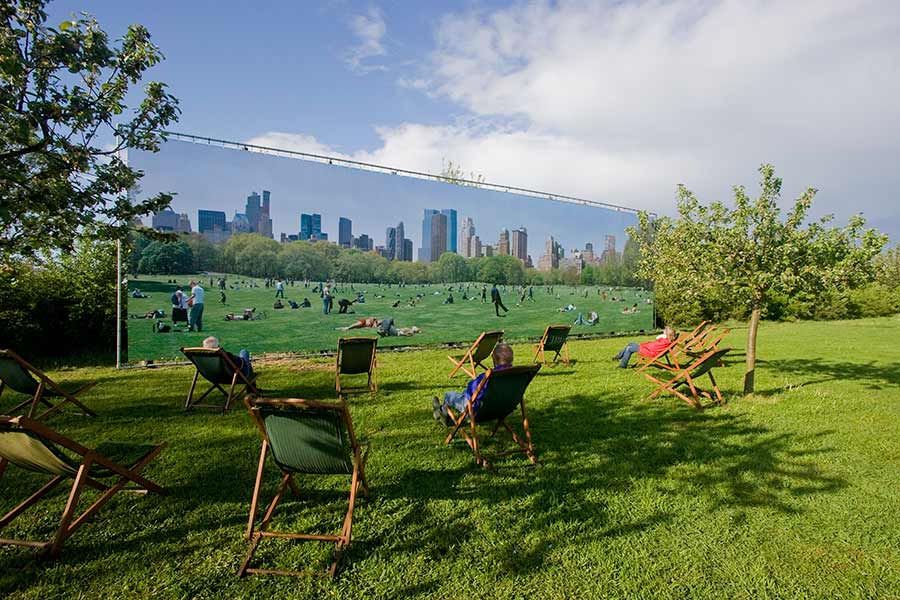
[617, 101]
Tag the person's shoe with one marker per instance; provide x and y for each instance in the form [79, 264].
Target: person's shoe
[446, 419]
[436, 409]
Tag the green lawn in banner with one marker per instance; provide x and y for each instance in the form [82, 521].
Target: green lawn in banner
[304, 330]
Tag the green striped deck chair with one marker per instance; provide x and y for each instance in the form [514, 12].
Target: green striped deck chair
[477, 353]
[554, 340]
[218, 369]
[356, 356]
[18, 375]
[108, 468]
[504, 391]
[687, 376]
[303, 437]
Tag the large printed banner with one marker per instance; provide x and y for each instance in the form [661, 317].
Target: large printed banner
[223, 192]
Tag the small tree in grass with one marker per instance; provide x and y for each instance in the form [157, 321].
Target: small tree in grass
[735, 257]
[62, 101]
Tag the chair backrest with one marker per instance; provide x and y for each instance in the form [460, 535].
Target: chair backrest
[485, 345]
[704, 365]
[505, 390]
[212, 364]
[355, 355]
[555, 337]
[307, 440]
[29, 451]
[16, 376]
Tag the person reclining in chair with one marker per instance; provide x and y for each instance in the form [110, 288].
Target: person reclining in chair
[503, 359]
[648, 349]
[242, 360]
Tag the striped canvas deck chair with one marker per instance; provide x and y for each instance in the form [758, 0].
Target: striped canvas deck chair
[477, 353]
[683, 381]
[356, 356]
[504, 392]
[218, 369]
[18, 375]
[554, 340]
[108, 468]
[303, 437]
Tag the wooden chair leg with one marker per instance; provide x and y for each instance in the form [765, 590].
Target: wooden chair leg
[478, 459]
[71, 504]
[230, 395]
[36, 400]
[255, 501]
[187, 403]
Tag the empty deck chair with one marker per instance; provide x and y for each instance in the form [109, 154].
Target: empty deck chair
[477, 353]
[20, 376]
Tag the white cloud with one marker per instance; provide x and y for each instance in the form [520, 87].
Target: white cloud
[619, 102]
[369, 29]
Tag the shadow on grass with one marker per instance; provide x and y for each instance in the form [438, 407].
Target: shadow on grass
[876, 376]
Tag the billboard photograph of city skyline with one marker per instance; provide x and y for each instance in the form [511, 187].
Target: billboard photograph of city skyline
[220, 192]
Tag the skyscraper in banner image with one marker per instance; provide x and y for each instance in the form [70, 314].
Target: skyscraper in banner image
[252, 211]
[345, 232]
[519, 244]
[438, 236]
[407, 250]
[264, 225]
[450, 213]
[425, 250]
[311, 227]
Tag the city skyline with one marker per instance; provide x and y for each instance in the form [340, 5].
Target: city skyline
[371, 201]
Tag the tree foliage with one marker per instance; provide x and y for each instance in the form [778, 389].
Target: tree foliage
[167, 258]
[720, 259]
[63, 98]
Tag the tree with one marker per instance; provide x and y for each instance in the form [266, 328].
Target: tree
[207, 256]
[888, 268]
[452, 267]
[453, 173]
[743, 255]
[62, 95]
[167, 258]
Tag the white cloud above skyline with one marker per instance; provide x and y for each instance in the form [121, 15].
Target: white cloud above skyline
[369, 29]
[619, 102]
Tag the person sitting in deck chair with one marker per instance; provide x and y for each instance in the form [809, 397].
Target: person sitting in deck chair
[242, 360]
[648, 349]
[503, 359]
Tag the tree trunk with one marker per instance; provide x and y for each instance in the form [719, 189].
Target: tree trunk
[751, 350]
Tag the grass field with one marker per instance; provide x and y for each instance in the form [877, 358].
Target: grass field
[304, 330]
[790, 493]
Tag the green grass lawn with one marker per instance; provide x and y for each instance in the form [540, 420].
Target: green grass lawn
[791, 493]
[304, 330]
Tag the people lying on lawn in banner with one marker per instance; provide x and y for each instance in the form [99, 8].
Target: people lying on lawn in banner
[248, 315]
[648, 349]
[242, 360]
[385, 327]
[503, 359]
[566, 308]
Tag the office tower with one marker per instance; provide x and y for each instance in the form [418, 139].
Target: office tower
[184, 223]
[311, 227]
[390, 243]
[252, 211]
[488, 250]
[503, 243]
[519, 244]
[165, 220]
[468, 232]
[212, 225]
[609, 249]
[240, 223]
[407, 250]
[264, 224]
[450, 213]
[552, 255]
[438, 236]
[362, 243]
[401, 235]
[345, 232]
[474, 248]
[425, 250]
[588, 253]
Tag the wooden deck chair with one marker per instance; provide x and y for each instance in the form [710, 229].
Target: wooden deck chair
[661, 358]
[554, 340]
[505, 392]
[355, 356]
[304, 437]
[30, 445]
[218, 369]
[477, 353]
[18, 375]
[688, 376]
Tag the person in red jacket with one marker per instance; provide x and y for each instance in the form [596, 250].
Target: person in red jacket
[648, 349]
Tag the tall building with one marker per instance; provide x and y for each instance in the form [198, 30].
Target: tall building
[264, 222]
[390, 243]
[240, 223]
[488, 250]
[363, 243]
[552, 254]
[609, 249]
[450, 213]
[503, 243]
[311, 227]
[407, 250]
[474, 247]
[165, 220]
[252, 211]
[438, 236]
[184, 223]
[345, 232]
[466, 235]
[425, 250]
[212, 225]
[519, 244]
[588, 253]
